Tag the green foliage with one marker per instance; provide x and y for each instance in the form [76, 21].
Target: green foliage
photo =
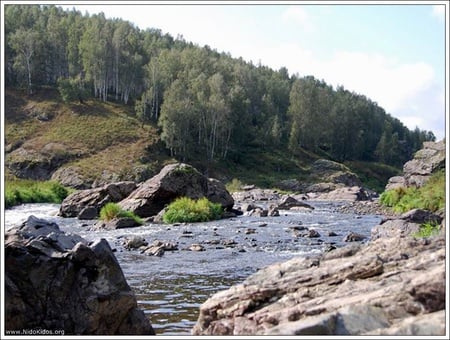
[113, 210]
[427, 230]
[234, 185]
[429, 197]
[185, 209]
[28, 191]
[71, 90]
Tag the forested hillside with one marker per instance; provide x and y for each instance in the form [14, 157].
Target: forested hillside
[208, 106]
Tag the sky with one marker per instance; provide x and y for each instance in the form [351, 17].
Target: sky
[394, 54]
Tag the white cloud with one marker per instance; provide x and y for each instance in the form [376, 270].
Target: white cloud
[298, 15]
[438, 11]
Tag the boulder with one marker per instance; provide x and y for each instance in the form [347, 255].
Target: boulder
[289, 202]
[426, 161]
[343, 193]
[96, 198]
[116, 223]
[417, 171]
[173, 181]
[217, 193]
[58, 281]
[381, 287]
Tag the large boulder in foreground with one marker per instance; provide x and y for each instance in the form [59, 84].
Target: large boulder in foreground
[173, 181]
[58, 282]
[390, 286]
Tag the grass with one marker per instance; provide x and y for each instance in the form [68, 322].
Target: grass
[113, 210]
[234, 186]
[185, 209]
[29, 191]
[427, 230]
[100, 136]
[429, 197]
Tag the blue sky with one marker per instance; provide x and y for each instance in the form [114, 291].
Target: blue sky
[394, 54]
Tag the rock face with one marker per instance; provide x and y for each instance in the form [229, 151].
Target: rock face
[390, 286]
[332, 172]
[57, 281]
[173, 181]
[417, 171]
[70, 177]
[28, 163]
[87, 203]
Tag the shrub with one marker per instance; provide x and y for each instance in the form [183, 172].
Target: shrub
[427, 230]
[184, 209]
[391, 197]
[112, 210]
[234, 185]
[429, 197]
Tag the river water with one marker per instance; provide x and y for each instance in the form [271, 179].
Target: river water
[171, 288]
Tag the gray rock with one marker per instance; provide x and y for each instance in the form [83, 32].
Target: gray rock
[25, 162]
[354, 290]
[70, 176]
[173, 181]
[217, 193]
[88, 213]
[288, 202]
[55, 280]
[417, 171]
[73, 204]
[116, 223]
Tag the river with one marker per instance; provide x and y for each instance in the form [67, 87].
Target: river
[171, 288]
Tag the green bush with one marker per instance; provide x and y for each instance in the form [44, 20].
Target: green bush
[184, 209]
[234, 185]
[113, 210]
[429, 197]
[71, 89]
[427, 230]
[29, 191]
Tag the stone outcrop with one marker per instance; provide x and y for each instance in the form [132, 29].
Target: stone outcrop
[70, 176]
[332, 172]
[417, 171]
[57, 281]
[173, 181]
[86, 204]
[388, 286]
[25, 162]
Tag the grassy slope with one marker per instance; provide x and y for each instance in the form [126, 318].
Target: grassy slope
[107, 137]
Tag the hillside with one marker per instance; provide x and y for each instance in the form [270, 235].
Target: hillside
[87, 144]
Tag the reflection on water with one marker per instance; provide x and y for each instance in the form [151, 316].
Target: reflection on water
[171, 288]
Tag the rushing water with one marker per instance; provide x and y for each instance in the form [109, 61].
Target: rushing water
[171, 288]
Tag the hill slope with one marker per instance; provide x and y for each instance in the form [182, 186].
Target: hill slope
[87, 144]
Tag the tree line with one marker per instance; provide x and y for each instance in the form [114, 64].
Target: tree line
[208, 105]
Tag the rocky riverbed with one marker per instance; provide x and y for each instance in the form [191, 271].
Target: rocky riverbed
[171, 287]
